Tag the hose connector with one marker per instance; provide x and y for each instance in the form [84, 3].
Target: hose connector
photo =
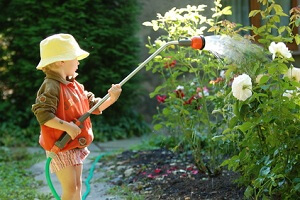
[196, 42]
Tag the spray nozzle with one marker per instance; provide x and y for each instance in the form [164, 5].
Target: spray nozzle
[196, 42]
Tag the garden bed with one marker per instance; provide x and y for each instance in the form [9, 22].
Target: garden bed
[163, 174]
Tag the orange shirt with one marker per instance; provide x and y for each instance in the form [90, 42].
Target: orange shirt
[66, 100]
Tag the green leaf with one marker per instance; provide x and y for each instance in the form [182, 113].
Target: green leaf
[264, 79]
[264, 171]
[254, 12]
[157, 127]
[166, 111]
[282, 68]
[245, 127]
[233, 121]
[248, 192]
[297, 22]
[281, 29]
[296, 180]
[257, 182]
[297, 37]
[227, 11]
[297, 187]
[272, 70]
[279, 11]
[156, 91]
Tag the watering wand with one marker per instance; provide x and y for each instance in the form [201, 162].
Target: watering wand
[196, 42]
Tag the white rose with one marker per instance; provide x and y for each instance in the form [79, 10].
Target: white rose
[288, 93]
[222, 73]
[293, 73]
[279, 48]
[241, 87]
[180, 87]
[291, 93]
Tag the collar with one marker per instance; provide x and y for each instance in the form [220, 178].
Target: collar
[55, 76]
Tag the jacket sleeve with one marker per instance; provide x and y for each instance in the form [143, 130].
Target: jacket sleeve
[93, 101]
[47, 101]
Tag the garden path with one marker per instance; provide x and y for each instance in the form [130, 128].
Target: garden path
[99, 190]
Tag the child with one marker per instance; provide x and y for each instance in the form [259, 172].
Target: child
[60, 100]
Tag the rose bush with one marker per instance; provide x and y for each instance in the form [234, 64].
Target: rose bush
[245, 107]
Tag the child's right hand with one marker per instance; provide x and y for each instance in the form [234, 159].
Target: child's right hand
[73, 130]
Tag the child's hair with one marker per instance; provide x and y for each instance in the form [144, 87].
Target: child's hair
[49, 67]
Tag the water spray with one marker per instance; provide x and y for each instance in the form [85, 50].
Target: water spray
[196, 42]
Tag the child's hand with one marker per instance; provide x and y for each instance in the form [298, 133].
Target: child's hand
[73, 130]
[114, 92]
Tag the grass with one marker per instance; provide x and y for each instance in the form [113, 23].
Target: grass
[16, 181]
[125, 192]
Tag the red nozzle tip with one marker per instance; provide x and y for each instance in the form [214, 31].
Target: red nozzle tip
[198, 42]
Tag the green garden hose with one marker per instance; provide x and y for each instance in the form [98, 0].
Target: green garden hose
[87, 184]
[91, 173]
[48, 178]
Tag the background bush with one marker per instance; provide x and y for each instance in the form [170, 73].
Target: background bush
[106, 29]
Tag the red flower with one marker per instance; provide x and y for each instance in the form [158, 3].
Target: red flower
[217, 80]
[161, 99]
[157, 171]
[179, 94]
[170, 64]
[189, 101]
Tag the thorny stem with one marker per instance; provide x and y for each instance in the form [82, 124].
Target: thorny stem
[211, 148]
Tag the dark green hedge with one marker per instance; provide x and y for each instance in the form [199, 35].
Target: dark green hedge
[105, 28]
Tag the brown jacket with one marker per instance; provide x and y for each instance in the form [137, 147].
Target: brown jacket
[66, 100]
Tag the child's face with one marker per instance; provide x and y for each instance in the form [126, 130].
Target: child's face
[70, 67]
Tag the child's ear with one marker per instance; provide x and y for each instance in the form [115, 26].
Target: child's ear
[60, 63]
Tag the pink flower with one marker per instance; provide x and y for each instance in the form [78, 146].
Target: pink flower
[151, 176]
[205, 91]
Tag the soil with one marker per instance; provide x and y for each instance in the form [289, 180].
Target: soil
[163, 174]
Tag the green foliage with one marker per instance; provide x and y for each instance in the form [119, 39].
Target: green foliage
[16, 181]
[260, 133]
[190, 99]
[106, 29]
[12, 135]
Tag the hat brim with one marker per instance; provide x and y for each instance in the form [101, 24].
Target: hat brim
[80, 54]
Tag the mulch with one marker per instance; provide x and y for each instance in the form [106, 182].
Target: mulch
[163, 174]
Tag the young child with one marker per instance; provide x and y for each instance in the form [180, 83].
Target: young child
[60, 100]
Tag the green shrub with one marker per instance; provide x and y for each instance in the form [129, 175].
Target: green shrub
[259, 132]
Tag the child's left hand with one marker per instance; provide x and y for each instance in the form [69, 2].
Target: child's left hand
[115, 91]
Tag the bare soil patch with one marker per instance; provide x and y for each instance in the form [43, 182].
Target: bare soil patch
[163, 174]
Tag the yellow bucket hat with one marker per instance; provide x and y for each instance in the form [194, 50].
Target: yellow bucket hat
[59, 47]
